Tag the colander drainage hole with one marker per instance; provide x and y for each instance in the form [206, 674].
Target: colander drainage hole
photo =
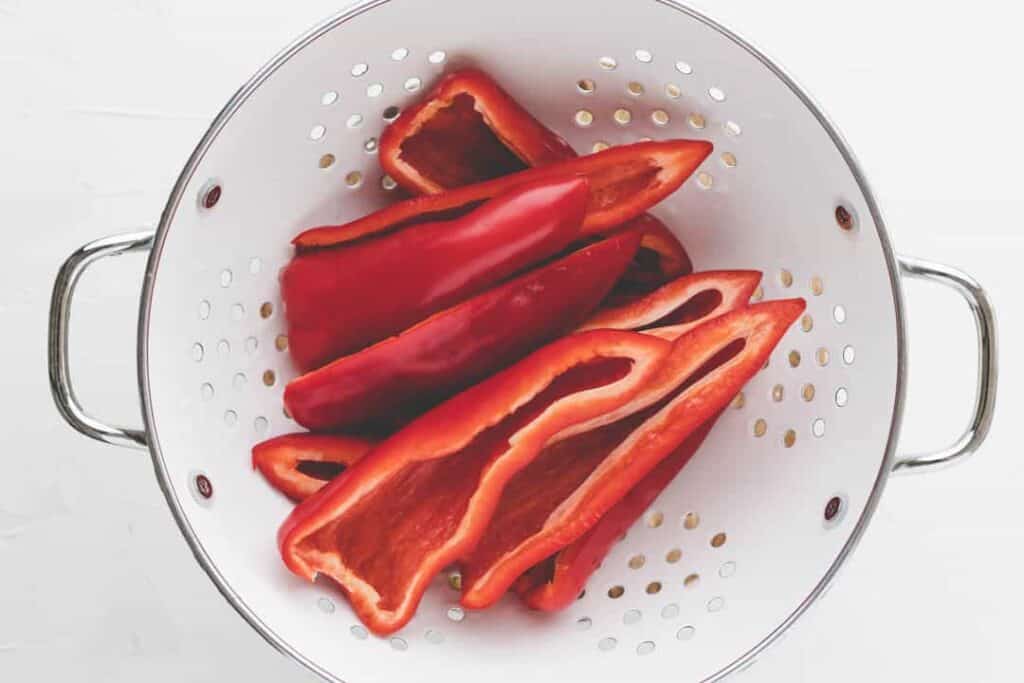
[842, 397]
[691, 581]
[326, 605]
[718, 540]
[329, 98]
[317, 132]
[616, 592]
[849, 355]
[653, 588]
[727, 570]
[584, 624]
[839, 314]
[412, 84]
[437, 57]
[691, 521]
[370, 146]
[260, 424]
[354, 121]
[391, 113]
[239, 381]
[673, 91]
[655, 519]
[673, 556]
[456, 614]
[716, 604]
[631, 616]
[206, 391]
[684, 68]
[607, 63]
[645, 648]
[388, 183]
[607, 644]
[197, 352]
[230, 418]
[204, 309]
[225, 278]
[670, 611]
[732, 128]
[434, 637]
[374, 90]
[716, 94]
[818, 428]
[359, 70]
[729, 160]
[251, 344]
[696, 121]
[686, 633]
[237, 312]
[359, 632]
[399, 54]
[399, 644]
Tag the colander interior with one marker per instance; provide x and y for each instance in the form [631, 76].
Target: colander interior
[756, 521]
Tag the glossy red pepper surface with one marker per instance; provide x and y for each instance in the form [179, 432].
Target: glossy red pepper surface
[299, 465]
[625, 181]
[467, 129]
[562, 493]
[342, 299]
[423, 497]
[404, 375]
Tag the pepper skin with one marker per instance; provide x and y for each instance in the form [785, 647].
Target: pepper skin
[625, 181]
[341, 300]
[404, 375]
[423, 497]
[299, 465]
[467, 129]
[562, 494]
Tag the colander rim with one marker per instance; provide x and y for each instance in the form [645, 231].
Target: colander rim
[210, 136]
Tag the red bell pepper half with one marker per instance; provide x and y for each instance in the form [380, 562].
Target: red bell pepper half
[340, 300]
[560, 495]
[299, 465]
[423, 497]
[681, 305]
[404, 375]
[661, 258]
[467, 129]
[556, 582]
[625, 181]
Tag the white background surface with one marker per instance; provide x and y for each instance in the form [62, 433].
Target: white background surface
[101, 104]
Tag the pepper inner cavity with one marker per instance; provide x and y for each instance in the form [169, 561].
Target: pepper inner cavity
[386, 536]
[324, 470]
[457, 147]
[536, 491]
[698, 306]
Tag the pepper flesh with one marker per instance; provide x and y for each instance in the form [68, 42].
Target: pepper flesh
[404, 375]
[422, 498]
[679, 306]
[467, 129]
[555, 583]
[299, 465]
[327, 293]
[564, 492]
[625, 181]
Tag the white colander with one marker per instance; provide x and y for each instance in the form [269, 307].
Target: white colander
[752, 531]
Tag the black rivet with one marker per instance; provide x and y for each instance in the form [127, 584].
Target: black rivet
[204, 486]
[211, 197]
[832, 508]
[844, 218]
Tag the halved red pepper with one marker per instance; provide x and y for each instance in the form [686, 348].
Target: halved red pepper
[340, 300]
[422, 498]
[561, 494]
[676, 308]
[557, 581]
[625, 181]
[661, 258]
[467, 129]
[299, 465]
[404, 375]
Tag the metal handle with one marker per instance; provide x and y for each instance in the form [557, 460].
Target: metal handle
[988, 369]
[60, 316]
